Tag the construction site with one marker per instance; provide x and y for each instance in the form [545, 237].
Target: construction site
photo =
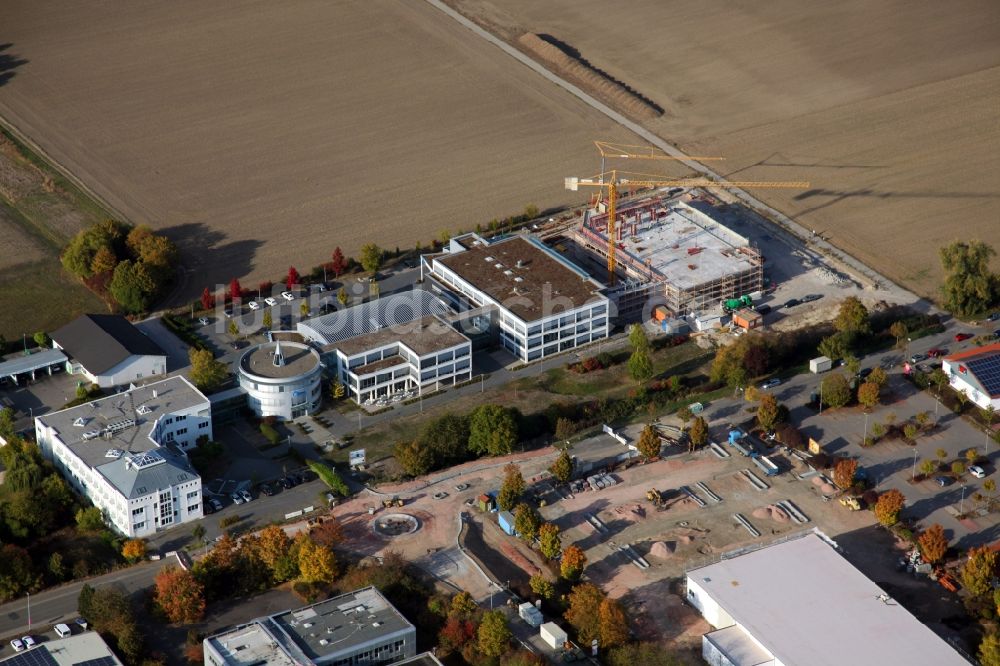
[667, 252]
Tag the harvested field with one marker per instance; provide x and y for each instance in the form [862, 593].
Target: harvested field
[888, 108]
[259, 134]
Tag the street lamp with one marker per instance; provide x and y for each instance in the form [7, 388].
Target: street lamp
[914, 475]
[961, 504]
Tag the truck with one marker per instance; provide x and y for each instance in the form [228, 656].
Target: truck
[765, 464]
[733, 304]
[820, 364]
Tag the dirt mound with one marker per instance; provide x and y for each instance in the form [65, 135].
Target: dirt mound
[662, 550]
[827, 488]
[773, 512]
[582, 73]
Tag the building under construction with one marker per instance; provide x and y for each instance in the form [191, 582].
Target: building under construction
[670, 253]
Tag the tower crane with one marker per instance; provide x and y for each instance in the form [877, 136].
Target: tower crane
[615, 179]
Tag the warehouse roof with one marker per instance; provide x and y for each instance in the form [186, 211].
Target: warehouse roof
[99, 342]
[385, 312]
[770, 591]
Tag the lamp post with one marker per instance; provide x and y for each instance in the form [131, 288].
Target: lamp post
[29, 611]
[914, 475]
[961, 504]
[864, 439]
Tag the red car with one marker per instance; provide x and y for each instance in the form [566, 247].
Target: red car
[937, 351]
[962, 336]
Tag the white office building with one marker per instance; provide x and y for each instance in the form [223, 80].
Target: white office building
[108, 350]
[282, 379]
[360, 628]
[126, 453]
[544, 303]
[800, 602]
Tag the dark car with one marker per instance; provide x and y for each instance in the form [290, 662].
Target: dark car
[864, 372]
[993, 317]
[792, 302]
[308, 475]
[286, 483]
[917, 358]
[809, 298]
[942, 481]
[763, 309]
[996, 333]
[266, 489]
[959, 337]
[207, 509]
[295, 478]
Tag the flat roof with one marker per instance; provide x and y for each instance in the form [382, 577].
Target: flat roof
[423, 336]
[16, 365]
[523, 276]
[388, 362]
[678, 243]
[385, 312]
[340, 623]
[250, 644]
[781, 593]
[85, 648]
[738, 647]
[299, 359]
[109, 418]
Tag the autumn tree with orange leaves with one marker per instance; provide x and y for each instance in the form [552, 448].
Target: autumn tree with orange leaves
[572, 563]
[888, 506]
[933, 544]
[180, 595]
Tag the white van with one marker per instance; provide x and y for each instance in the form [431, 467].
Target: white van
[63, 630]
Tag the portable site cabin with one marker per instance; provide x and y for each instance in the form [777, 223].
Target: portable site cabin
[506, 519]
[747, 319]
[553, 635]
[820, 364]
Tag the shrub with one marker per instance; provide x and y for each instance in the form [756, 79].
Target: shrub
[270, 434]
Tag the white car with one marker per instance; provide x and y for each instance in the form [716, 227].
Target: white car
[977, 472]
[271, 301]
[245, 494]
[771, 383]
[28, 641]
[17, 645]
[203, 321]
[288, 296]
[236, 497]
[254, 305]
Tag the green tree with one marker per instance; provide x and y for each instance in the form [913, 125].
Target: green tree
[462, 605]
[492, 430]
[698, 435]
[371, 257]
[649, 443]
[868, 394]
[234, 330]
[835, 346]
[42, 339]
[910, 431]
[198, 533]
[549, 542]
[526, 522]
[899, 331]
[978, 571]
[972, 455]
[90, 519]
[640, 366]
[835, 390]
[928, 467]
[878, 377]
[342, 296]
[637, 338]
[446, 437]
[562, 468]
[304, 308]
[56, 566]
[206, 372]
[968, 285]
[958, 468]
[768, 411]
[989, 650]
[512, 487]
[132, 286]
[110, 613]
[852, 318]
[541, 586]
[268, 319]
[6, 422]
[685, 414]
[493, 634]
[641, 654]
[17, 575]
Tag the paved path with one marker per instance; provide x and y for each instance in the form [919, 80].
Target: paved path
[59, 604]
[667, 148]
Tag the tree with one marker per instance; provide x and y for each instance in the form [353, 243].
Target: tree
[549, 542]
[844, 472]
[180, 595]
[640, 366]
[852, 318]
[767, 411]
[888, 506]
[613, 623]
[868, 394]
[342, 296]
[493, 634]
[572, 563]
[685, 414]
[134, 550]
[853, 364]
[304, 308]
[235, 290]
[268, 319]
[939, 379]
[989, 650]
[941, 453]
[698, 435]
[132, 286]
[338, 264]
[835, 390]
[835, 346]
[910, 431]
[542, 586]
[492, 430]
[933, 544]
[899, 331]
[292, 278]
[978, 571]
[207, 299]
[337, 390]
[968, 284]
[42, 339]
[104, 261]
[446, 439]
[641, 654]
[90, 519]
[526, 522]
[317, 564]
[637, 338]
[878, 377]
[928, 467]
[329, 533]
[649, 443]
[198, 533]
[16, 573]
[972, 455]
[371, 257]
[583, 611]
[206, 373]
[958, 468]
[110, 613]
[512, 487]
[562, 468]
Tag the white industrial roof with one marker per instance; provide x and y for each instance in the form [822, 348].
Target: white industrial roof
[808, 605]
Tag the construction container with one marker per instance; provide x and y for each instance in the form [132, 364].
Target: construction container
[553, 635]
[485, 503]
[747, 319]
[661, 313]
[506, 519]
[530, 614]
[820, 364]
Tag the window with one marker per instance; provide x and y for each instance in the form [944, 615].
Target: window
[203, 424]
[180, 418]
[138, 512]
[182, 431]
[191, 495]
[139, 526]
[193, 508]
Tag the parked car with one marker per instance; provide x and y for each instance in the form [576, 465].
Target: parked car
[993, 317]
[763, 309]
[288, 296]
[809, 298]
[62, 630]
[936, 351]
[29, 642]
[207, 509]
[203, 321]
[228, 313]
[942, 481]
[253, 305]
[286, 483]
[216, 504]
[308, 475]
[917, 358]
[771, 383]
[245, 494]
[17, 645]
[271, 301]
[82, 623]
[959, 337]
[864, 372]
[792, 302]
[236, 497]
[996, 333]
[266, 489]
[977, 472]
